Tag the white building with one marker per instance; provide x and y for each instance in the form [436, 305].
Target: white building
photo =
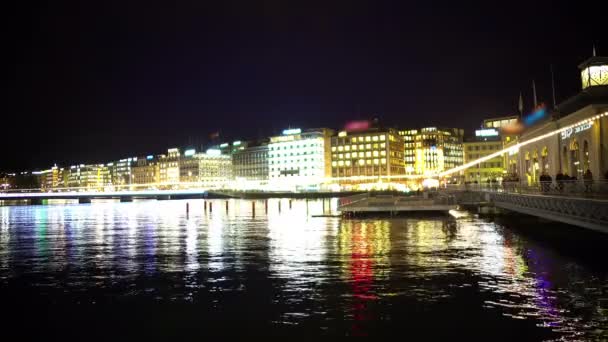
[299, 160]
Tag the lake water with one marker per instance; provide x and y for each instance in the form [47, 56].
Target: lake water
[151, 268]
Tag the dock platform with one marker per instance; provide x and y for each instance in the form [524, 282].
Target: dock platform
[368, 203]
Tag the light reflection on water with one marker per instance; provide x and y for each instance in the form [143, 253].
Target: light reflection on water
[343, 275]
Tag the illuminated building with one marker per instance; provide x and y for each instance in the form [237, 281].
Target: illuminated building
[208, 169]
[7, 180]
[498, 123]
[88, 176]
[486, 141]
[146, 171]
[52, 178]
[251, 163]
[299, 159]
[169, 167]
[120, 171]
[231, 148]
[430, 150]
[581, 147]
[367, 153]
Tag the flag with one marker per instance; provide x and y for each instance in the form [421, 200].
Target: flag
[521, 104]
[534, 94]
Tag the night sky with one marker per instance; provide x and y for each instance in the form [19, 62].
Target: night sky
[95, 81]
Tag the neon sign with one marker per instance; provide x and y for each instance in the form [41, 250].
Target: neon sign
[576, 129]
[486, 133]
[292, 131]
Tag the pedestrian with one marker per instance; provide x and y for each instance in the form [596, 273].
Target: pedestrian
[559, 178]
[588, 180]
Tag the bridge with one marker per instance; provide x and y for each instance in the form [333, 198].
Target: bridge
[36, 196]
[579, 203]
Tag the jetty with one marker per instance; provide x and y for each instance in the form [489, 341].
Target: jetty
[394, 204]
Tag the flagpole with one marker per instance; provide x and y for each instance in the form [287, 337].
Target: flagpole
[553, 87]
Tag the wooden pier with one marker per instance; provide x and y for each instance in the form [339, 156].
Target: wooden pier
[368, 203]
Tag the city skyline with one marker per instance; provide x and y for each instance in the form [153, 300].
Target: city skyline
[90, 82]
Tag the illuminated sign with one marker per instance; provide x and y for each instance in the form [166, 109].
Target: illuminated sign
[577, 129]
[236, 143]
[150, 157]
[486, 133]
[224, 145]
[214, 152]
[342, 134]
[282, 138]
[292, 131]
[189, 153]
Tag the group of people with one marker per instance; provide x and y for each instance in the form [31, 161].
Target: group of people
[562, 178]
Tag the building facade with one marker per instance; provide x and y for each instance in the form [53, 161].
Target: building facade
[92, 176]
[299, 159]
[573, 138]
[251, 163]
[120, 171]
[146, 171]
[53, 178]
[210, 169]
[482, 144]
[430, 150]
[169, 167]
[372, 153]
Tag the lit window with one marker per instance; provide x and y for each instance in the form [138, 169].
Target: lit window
[361, 162]
[360, 139]
[368, 154]
[354, 154]
[347, 156]
[368, 146]
[375, 138]
[347, 148]
[341, 156]
[375, 146]
[340, 163]
[352, 140]
[369, 162]
[347, 163]
[376, 161]
[383, 145]
[340, 148]
[354, 147]
[383, 137]
[368, 138]
[375, 153]
[383, 160]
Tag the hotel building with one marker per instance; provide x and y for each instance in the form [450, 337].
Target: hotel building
[373, 153]
[299, 159]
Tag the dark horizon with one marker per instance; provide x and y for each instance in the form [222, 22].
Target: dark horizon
[96, 83]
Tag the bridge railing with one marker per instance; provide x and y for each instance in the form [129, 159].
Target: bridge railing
[584, 188]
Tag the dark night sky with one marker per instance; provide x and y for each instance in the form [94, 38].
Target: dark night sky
[94, 80]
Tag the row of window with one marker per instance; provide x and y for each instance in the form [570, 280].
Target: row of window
[291, 147]
[359, 154]
[368, 138]
[358, 147]
[292, 154]
[291, 161]
[360, 162]
[484, 148]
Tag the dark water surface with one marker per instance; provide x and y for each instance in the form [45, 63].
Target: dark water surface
[145, 268]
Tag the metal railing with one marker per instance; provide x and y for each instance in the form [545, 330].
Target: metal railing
[580, 188]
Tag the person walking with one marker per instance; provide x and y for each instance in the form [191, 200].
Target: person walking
[559, 179]
[588, 180]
